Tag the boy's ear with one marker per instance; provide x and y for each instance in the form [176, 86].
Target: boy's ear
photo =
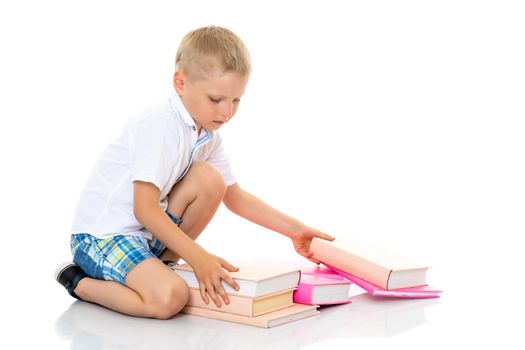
[179, 80]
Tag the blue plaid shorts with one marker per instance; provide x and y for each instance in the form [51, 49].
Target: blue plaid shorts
[113, 258]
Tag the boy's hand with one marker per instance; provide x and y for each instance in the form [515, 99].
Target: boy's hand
[302, 238]
[208, 269]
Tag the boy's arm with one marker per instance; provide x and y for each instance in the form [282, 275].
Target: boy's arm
[207, 267]
[255, 210]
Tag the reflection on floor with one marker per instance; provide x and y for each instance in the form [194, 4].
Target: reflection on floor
[90, 326]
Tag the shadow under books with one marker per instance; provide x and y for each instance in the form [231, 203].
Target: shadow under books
[89, 326]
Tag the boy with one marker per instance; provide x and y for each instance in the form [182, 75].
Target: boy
[157, 186]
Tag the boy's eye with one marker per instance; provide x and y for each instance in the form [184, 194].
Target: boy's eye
[217, 100]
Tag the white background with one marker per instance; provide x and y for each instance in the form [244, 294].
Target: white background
[396, 122]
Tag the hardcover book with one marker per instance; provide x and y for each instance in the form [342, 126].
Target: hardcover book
[418, 292]
[246, 306]
[254, 279]
[271, 319]
[380, 267]
[319, 290]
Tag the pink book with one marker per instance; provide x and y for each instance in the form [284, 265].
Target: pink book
[412, 292]
[319, 290]
[374, 264]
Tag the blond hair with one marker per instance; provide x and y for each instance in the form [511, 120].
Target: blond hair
[206, 48]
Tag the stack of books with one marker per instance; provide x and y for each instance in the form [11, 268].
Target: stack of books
[379, 272]
[264, 299]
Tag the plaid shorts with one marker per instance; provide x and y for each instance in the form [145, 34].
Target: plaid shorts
[114, 257]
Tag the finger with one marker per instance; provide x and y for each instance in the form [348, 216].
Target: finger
[204, 296]
[228, 266]
[310, 257]
[324, 236]
[220, 290]
[211, 292]
[228, 279]
[314, 260]
[307, 255]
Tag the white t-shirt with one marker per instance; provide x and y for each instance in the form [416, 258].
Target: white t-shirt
[158, 146]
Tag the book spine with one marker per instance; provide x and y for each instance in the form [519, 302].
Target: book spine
[303, 294]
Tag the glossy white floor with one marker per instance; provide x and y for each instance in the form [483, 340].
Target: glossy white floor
[397, 122]
[474, 310]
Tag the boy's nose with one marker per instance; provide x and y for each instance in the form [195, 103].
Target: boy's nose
[227, 111]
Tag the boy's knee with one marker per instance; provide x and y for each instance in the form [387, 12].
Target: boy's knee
[170, 301]
[210, 179]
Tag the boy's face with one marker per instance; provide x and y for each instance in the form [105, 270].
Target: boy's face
[212, 101]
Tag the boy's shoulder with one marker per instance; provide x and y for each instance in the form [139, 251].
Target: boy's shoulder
[157, 113]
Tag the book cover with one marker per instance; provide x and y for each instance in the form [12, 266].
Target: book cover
[246, 306]
[268, 320]
[418, 292]
[380, 267]
[255, 279]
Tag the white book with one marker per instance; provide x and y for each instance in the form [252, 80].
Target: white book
[254, 279]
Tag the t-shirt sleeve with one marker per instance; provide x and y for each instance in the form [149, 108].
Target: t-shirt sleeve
[220, 160]
[151, 158]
